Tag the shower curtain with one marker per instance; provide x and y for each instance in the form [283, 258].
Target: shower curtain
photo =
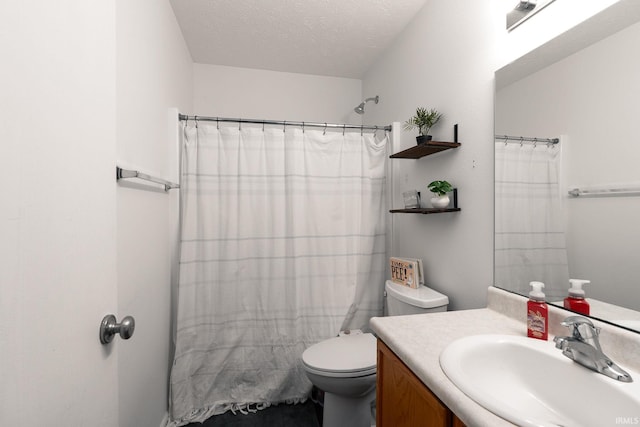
[282, 246]
[529, 235]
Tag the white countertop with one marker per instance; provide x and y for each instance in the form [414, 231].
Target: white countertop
[418, 340]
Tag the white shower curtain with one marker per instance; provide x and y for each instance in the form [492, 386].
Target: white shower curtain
[282, 246]
[529, 235]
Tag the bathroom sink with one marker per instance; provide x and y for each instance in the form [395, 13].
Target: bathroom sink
[530, 383]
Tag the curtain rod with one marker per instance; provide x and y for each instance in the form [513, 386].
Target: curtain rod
[521, 139]
[184, 117]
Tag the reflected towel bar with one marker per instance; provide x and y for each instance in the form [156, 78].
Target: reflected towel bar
[619, 191]
[127, 174]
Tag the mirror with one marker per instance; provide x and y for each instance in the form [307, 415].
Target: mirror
[589, 98]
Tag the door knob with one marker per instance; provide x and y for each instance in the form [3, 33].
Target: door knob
[109, 327]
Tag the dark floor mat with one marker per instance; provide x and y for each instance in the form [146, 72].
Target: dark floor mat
[300, 415]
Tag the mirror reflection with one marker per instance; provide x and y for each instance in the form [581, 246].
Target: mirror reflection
[590, 102]
[521, 10]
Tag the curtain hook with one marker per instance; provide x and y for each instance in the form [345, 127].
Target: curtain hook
[535, 142]
[521, 141]
[195, 119]
[263, 126]
[284, 126]
[344, 128]
[325, 128]
[240, 124]
[218, 123]
[302, 127]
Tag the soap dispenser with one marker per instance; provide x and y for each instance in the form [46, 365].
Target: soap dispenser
[576, 301]
[537, 313]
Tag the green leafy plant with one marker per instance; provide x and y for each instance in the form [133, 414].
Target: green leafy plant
[440, 187]
[424, 120]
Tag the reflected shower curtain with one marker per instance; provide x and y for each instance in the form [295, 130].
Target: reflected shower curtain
[282, 246]
[529, 231]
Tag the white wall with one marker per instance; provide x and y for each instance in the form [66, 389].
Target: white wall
[445, 60]
[57, 222]
[261, 94]
[591, 97]
[84, 85]
[154, 74]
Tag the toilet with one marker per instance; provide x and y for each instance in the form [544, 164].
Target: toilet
[344, 367]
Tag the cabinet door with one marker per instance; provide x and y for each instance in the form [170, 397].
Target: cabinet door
[402, 399]
[457, 422]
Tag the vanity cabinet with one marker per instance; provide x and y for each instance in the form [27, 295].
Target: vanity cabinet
[403, 400]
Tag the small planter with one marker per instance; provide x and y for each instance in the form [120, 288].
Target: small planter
[440, 202]
[423, 139]
[440, 190]
[423, 120]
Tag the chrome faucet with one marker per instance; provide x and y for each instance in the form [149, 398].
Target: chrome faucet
[583, 347]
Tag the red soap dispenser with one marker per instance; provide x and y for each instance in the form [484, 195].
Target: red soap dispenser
[537, 313]
[576, 301]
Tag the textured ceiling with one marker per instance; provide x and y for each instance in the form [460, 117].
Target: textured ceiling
[324, 37]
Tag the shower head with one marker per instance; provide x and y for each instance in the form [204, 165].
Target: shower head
[360, 108]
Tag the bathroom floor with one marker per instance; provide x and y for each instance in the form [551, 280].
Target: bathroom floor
[306, 414]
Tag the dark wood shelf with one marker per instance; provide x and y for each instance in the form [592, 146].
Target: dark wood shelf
[426, 149]
[425, 210]
[453, 207]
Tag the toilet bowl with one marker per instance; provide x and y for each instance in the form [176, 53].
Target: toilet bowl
[344, 367]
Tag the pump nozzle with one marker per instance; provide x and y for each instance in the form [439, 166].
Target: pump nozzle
[576, 287]
[536, 292]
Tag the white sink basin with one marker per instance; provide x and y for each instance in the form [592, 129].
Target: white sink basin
[530, 383]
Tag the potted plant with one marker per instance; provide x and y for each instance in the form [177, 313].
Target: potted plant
[424, 120]
[440, 190]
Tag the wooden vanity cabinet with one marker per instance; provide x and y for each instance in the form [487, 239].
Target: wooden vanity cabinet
[403, 400]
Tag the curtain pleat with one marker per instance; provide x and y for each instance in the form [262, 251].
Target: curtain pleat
[282, 246]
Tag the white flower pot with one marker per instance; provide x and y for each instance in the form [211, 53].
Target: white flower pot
[440, 202]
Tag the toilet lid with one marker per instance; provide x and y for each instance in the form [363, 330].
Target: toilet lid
[345, 354]
[423, 297]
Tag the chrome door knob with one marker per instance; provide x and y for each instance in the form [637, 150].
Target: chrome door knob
[109, 327]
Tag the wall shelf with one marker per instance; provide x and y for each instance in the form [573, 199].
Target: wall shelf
[426, 149]
[425, 210]
[453, 207]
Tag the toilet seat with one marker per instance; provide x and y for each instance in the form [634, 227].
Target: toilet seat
[346, 356]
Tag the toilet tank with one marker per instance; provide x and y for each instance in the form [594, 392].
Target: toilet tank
[403, 300]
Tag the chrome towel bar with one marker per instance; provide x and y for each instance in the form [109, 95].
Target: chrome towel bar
[603, 192]
[127, 174]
